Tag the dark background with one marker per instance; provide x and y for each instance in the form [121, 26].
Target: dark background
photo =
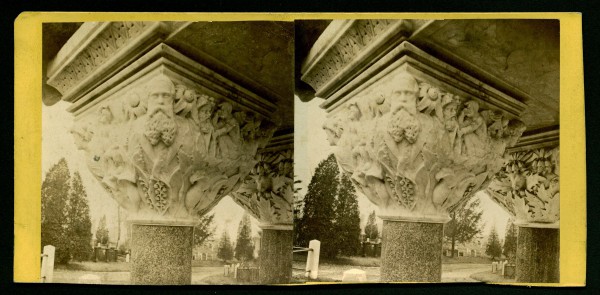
[9, 10]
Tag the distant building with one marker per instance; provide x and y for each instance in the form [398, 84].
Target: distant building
[206, 251]
[474, 248]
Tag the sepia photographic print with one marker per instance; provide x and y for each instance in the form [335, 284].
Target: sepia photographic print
[294, 152]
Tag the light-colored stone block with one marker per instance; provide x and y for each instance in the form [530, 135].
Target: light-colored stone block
[355, 276]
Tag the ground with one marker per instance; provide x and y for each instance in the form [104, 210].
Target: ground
[459, 269]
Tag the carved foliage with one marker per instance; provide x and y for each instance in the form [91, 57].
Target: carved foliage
[170, 150]
[416, 149]
[267, 192]
[104, 46]
[360, 35]
[528, 186]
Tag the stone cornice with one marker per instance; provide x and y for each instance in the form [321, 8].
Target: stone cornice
[347, 46]
[536, 140]
[164, 59]
[428, 68]
[99, 49]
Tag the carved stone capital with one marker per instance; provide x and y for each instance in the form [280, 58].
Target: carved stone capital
[166, 142]
[417, 148]
[528, 188]
[268, 191]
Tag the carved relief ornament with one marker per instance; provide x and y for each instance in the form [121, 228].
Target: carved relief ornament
[418, 151]
[527, 186]
[170, 151]
[268, 191]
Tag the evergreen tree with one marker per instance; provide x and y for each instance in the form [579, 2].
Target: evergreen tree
[225, 251]
[244, 248]
[347, 218]
[102, 232]
[317, 213]
[55, 191]
[494, 247]
[204, 230]
[465, 224]
[510, 241]
[371, 229]
[79, 222]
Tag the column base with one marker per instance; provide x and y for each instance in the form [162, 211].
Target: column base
[538, 255]
[161, 254]
[411, 251]
[276, 255]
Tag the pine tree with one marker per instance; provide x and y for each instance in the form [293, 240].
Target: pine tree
[510, 241]
[244, 248]
[347, 218]
[317, 213]
[102, 232]
[204, 229]
[371, 229]
[225, 251]
[465, 224]
[494, 247]
[55, 191]
[79, 223]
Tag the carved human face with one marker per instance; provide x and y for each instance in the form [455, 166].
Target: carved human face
[404, 95]
[205, 112]
[450, 111]
[160, 97]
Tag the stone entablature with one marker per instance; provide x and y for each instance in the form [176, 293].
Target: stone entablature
[528, 185]
[268, 191]
[168, 138]
[98, 49]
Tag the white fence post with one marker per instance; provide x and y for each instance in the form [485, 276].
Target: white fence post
[312, 259]
[47, 272]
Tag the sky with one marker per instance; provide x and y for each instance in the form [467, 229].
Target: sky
[57, 142]
[311, 147]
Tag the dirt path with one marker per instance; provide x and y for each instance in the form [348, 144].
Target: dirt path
[461, 272]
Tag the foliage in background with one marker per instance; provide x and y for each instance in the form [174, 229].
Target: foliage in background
[102, 232]
[510, 241]
[328, 212]
[371, 229]
[204, 230]
[465, 224]
[244, 248]
[225, 251]
[347, 218]
[493, 247]
[66, 222]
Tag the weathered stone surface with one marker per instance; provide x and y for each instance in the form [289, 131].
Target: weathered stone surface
[411, 251]
[267, 193]
[528, 187]
[538, 255]
[276, 256]
[161, 254]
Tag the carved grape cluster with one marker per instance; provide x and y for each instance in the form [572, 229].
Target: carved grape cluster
[403, 190]
[156, 194]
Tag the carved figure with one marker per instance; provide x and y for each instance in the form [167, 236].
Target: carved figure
[133, 106]
[472, 131]
[227, 133]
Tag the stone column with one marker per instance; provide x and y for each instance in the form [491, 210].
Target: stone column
[161, 253]
[276, 254]
[415, 135]
[528, 188]
[267, 194]
[165, 136]
[411, 251]
[538, 255]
